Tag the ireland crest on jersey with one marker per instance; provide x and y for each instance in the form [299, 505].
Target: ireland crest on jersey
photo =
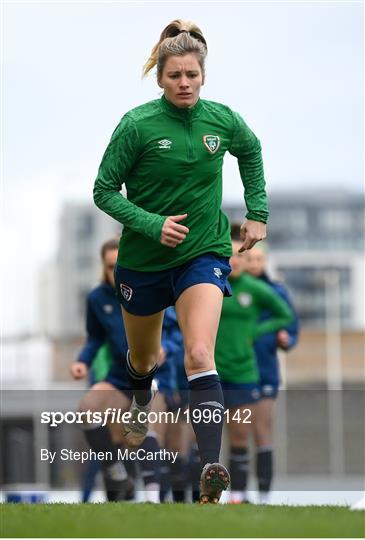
[212, 142]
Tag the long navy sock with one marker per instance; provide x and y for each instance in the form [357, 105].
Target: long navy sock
[114, 472]
[238, 468]
[205, 394]
[150, 469]
[132, 473]
[178, 479]
[131, 468]
[164, 481]
[264, 468]
[100, 440]
[140, 383]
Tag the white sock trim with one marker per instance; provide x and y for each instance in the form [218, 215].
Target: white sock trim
[152, 493]
[267, 448]
[264, 497]
[202, 374]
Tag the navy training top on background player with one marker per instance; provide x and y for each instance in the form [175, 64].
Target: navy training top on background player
[104, 324]
[266, 347]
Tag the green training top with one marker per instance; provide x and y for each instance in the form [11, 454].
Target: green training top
[239, 327]
[102, 362]
[170, 160]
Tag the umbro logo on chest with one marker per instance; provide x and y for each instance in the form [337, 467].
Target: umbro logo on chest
[165, 144]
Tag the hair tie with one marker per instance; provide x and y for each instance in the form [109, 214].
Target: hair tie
[176, 31]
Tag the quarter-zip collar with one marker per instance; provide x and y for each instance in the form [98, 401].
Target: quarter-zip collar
[185, 114]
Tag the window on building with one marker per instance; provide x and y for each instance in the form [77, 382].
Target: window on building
[308, 287]
[298, 221]
[335, 220]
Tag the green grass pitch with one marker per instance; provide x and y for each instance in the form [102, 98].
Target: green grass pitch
[178, 521]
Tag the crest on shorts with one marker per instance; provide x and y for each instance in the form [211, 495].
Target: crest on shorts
[126, 292]
[212, 142]
[217, 272]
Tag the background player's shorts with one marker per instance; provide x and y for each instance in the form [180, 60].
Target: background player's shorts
[181, 394]
[236, 394]
[165, 378]
[269, 390]
[146, 293]
[117, 376]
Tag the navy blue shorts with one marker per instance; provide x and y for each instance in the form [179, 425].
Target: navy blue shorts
[237, 394]
[122, 386]
[117, 376]
[269, 390]
[146, 293]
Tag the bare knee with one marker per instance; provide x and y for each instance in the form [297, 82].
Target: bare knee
[238, 438]
[198, 357]
[239, 442]
[262, 434]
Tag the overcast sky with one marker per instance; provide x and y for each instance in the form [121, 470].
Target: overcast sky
[294, 70]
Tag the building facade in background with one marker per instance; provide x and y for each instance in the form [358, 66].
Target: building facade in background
[66, 283]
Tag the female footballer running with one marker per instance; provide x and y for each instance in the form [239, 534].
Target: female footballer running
[176, 244]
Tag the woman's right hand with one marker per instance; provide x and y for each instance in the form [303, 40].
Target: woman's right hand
[78, 370]
[173, 233]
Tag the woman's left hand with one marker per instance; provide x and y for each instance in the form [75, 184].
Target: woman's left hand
[78, 370]
[283, 339]
[252, 232]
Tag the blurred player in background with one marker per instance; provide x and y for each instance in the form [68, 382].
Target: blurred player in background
[176, 245]
[239, 326]
[106, 334]
[178, 433]
[266, 348]
[97, 372]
